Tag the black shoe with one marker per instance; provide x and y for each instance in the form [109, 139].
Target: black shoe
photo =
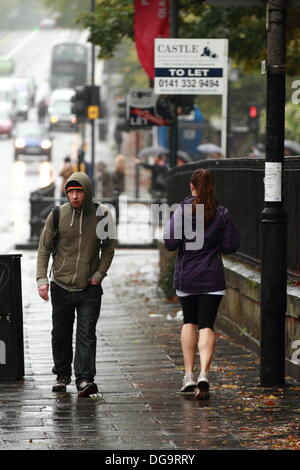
[60, 385]
[85, 389]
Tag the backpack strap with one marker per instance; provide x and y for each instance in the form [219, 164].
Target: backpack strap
[56, 215]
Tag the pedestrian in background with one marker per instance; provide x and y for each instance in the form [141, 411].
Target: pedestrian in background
[118, 176]
[65, 173]
[82, 164]
[103, 180]
[199, 276]
[118, 181]
[42, 110]
[159, 172]
[80, 264]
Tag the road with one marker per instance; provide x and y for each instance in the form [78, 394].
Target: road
[31, 51]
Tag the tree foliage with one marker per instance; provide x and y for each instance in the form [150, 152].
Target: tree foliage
[245, 28]
[110, 24]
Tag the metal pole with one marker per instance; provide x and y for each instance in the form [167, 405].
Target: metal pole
[137, 167]
[174, 8]
[93, 4]
[274, 222]
[225, 106]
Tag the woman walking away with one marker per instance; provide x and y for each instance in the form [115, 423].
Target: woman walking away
[199, 273]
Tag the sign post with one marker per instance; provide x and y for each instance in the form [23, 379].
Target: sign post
[193, 67]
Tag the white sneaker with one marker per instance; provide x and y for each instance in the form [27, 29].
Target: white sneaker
[202, 391]
[188, 384]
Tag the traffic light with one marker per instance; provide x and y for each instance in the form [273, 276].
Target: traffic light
[86, 102]
[253, 117]
[121, 109]
[80, 102]
[93, 102]
[122, 122]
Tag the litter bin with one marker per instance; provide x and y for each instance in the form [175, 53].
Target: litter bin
[11, 318]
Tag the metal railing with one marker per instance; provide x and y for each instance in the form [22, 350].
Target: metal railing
[239, 187]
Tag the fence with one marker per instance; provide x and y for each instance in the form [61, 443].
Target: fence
[239, 186]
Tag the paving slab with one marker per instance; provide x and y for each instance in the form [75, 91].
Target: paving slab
[139, 373]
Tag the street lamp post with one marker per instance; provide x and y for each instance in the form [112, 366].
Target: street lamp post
[92, 121]
[274, 223]
[174, 8]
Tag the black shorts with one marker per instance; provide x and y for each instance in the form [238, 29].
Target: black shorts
[200, 309]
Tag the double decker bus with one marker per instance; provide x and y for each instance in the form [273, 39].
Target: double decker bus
[69, 65]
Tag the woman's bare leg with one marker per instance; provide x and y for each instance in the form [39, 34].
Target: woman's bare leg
[189, 341]
[206, 345]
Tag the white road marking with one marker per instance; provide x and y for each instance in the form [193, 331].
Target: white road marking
[21, 44]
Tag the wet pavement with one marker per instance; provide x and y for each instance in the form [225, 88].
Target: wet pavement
[139, 374]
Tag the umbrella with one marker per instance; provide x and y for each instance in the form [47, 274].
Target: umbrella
[209, 148]
[153, 150]
[184, 156]
[293, 146]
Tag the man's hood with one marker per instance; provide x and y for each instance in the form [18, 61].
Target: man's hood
[84, 180]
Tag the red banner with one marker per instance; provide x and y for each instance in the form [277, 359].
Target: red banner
[151, 20]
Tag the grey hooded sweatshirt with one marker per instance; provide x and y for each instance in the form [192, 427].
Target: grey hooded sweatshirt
[80, 253]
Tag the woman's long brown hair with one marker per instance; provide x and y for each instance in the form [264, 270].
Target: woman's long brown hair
[203, 182]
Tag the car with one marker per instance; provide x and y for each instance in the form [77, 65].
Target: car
[47, 23]
[6, 121]
[31, 138]
[7, 66]
[60, 114]
[7, 96]
[25, 85]
[22, 105]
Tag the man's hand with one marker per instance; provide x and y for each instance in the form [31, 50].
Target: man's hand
[43, 292]
[93, 282]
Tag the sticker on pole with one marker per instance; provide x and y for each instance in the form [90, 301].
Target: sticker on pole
[273, 178]
[190, 66]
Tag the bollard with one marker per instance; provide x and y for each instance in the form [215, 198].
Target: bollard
[11, 318]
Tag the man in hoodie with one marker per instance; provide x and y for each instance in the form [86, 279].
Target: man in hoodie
[80, 263]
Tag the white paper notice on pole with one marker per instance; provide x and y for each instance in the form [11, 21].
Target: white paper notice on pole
[273, 179]
[190, 66]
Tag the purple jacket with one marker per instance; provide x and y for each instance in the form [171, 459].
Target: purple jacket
[201, 270]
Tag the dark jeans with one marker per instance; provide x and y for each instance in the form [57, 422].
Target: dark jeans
[87, 304]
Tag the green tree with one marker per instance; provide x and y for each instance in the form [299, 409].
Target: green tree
[292, 119]
[244, 27]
